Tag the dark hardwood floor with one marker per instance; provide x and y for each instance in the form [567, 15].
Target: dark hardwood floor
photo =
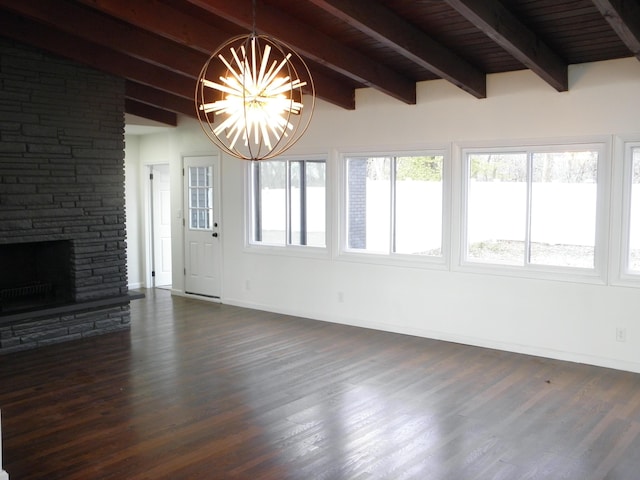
[206, 391]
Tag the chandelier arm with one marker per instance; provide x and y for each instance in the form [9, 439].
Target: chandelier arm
[263, 64]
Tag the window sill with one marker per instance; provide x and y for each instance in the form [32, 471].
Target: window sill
[558, 274]
[396, 260]
[626, 280]
[288, 251]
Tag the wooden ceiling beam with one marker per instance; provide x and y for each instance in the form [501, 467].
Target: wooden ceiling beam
[332, 90]
[499, 24]
[135, 91]
[390, 29]
[159, 98]
[152, 113]
[96, 56]
[164, 20]
[624, 18]
[104, 30]
[313, 44]
[198, 35]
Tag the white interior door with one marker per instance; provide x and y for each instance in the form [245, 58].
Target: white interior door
[161, 206]
[202, 226]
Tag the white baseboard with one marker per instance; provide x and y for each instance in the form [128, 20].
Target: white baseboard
[566, 356]
[4, 475]
[204, 298]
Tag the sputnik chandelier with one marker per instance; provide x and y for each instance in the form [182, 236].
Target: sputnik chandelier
[249, 97]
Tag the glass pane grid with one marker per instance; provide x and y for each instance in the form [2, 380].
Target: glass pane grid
[200, 198]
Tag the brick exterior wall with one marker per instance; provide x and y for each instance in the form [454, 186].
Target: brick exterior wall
[357, 214]
[62, 178]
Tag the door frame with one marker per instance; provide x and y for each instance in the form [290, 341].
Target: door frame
[148, 234]
[217, 199]
[156, 210]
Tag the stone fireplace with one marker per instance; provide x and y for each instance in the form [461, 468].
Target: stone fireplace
[62, 220]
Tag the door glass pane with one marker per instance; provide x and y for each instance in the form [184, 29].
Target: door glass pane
[497, 208]
[418, 205]
[368, 203]
[200, 198]
[634, 223]
[563, 209]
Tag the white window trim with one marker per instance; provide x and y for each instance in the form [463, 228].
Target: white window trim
[395, 259]
[597, 275]
[621, 211]
[304, 251]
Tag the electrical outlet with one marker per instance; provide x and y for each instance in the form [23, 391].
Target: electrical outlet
[247, 285]
[621, 334]
[340, 297]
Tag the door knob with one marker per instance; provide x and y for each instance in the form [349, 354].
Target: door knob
[214, 234]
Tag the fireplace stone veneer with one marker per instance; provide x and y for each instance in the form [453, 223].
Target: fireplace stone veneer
[62, 180]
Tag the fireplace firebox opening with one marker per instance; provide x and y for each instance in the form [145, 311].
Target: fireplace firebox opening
[35, 275]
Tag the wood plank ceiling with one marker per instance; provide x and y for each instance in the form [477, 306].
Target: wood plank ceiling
[159, 46]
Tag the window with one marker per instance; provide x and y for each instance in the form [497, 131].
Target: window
[533, 207]
[632, 210]
[288, 202]
[634, 213]
[394, 204]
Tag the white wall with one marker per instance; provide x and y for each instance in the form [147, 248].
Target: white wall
[134, 212]
[572, 321]
[168, 147]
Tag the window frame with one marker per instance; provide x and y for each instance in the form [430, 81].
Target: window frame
[250, 245]
[599, 273]
[440, 262]
[622, 210]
